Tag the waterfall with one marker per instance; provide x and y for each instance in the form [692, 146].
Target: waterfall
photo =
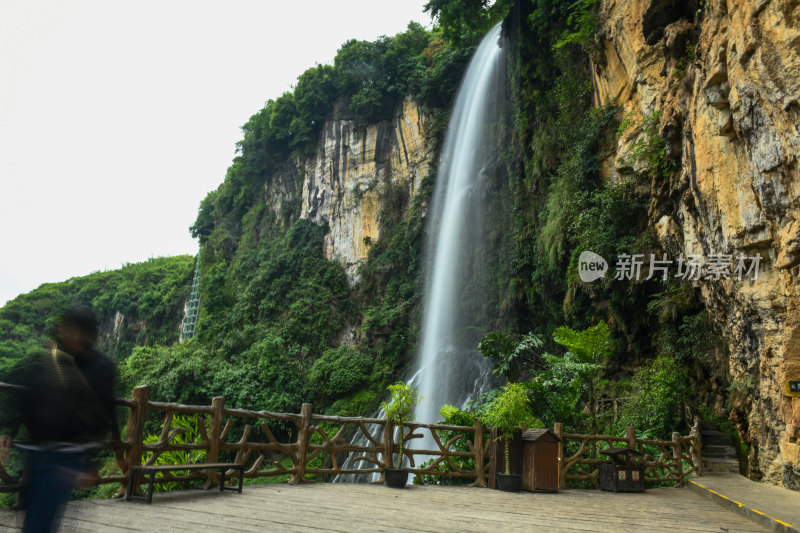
[452, 369]
[449, 368]
[360, 439]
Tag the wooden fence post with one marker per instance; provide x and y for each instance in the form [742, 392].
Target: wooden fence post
[630, 436]
[303, 437]
[676, 458]
[697, 447]
[214, 433]
[477, 445]
[388, 446]
[135, 435]
[558, 431]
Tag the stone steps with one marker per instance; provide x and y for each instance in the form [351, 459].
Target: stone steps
[715, 438]
[719, 451]
[719, 454]
[720, 465]
[705, 425]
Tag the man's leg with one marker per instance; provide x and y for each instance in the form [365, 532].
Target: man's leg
[52, 476]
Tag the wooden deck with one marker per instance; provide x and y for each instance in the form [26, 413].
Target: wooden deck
[352, 507]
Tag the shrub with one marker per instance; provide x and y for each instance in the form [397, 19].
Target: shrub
[657, 393]
[339, 372]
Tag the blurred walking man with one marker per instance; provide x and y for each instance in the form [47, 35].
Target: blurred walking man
[68, 408]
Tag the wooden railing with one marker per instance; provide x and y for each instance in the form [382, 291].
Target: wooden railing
[664, 460]
[319, 448]
[322, 442]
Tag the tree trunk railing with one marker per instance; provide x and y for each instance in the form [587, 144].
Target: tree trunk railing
[245, 437]
[663, 460]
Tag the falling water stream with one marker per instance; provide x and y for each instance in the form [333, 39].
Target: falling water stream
[449, 369]
[453, 371]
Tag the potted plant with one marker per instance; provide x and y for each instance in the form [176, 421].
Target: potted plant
[507, 413]
[399, 410]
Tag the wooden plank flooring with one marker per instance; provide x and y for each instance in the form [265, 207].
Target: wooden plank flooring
[374, 508]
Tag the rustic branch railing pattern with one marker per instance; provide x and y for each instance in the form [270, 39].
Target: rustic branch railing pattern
[323, 441]
[663, 460]
[445, 453]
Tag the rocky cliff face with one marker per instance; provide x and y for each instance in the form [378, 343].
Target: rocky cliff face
[724, 77]
[360, 175]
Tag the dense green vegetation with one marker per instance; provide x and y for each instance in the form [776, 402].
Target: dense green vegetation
[257, 344]
[137, 305]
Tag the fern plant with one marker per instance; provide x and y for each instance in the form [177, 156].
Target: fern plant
[582, 364]
[510, 354]
[190, 435]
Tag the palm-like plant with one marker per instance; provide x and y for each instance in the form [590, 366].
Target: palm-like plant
[508, 412]
[400, 409]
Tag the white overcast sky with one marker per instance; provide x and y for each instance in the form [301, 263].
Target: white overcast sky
[118, 117]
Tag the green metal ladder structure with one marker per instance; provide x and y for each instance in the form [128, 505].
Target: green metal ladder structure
[190, 321]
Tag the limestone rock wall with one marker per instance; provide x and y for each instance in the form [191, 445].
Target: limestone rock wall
[725, 75]
[359, 175]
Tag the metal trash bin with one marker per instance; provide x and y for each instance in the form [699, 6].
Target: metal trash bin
[623, 473]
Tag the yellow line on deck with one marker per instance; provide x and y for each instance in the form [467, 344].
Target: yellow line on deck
[771, 518]
[741, 504]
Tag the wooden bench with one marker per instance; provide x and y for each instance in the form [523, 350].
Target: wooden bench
[151, 470]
